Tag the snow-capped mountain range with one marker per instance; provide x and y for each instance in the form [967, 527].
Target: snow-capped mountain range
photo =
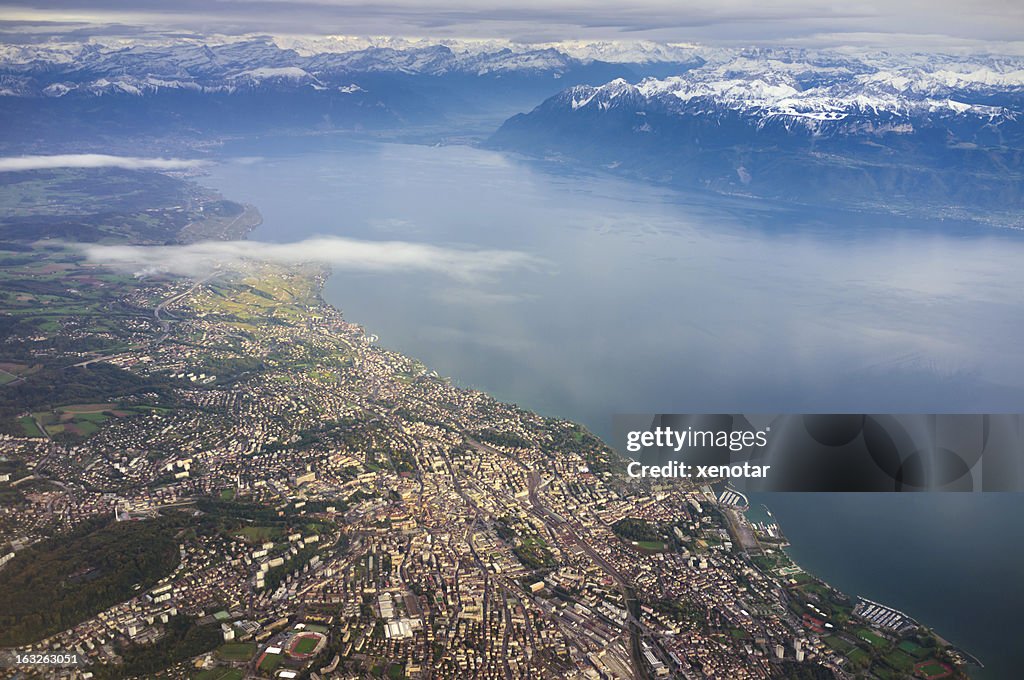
[222, 65]
[875, 127]
[821, 95]
[818, 91]
[103, 90]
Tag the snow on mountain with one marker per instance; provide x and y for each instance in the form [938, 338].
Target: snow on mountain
[438, 60]
[629, 52]
[309, 46]
[819, 92]
[886, 131]
[258, 75]
[925, 82]
[219, 63]
[58, 89]
[130, 85]
[611, 51]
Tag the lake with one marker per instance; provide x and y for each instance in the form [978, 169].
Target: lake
[952, 561]
[648, 300]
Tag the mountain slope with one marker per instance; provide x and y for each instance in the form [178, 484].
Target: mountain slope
[881, 131]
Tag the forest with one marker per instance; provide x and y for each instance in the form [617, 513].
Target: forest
[60, 582]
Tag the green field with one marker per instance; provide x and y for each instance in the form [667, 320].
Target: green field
[219, 674]
[84, 428]
[656, 546]
[932, 669]
[868, 636]
[261, 534]
[81, 420]
[86, 409]
[859, 657]
[838, 644]
[913, 649]
[237, 651]
[254, 300]
[305, 645]
[30, 427]
[270, 662]
[899, 660]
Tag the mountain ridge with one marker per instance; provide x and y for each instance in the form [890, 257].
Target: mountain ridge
[92, 68]
[948, 131]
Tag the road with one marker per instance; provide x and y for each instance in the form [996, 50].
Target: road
[165, 324]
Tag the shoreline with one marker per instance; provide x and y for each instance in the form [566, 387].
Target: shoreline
[787, 547]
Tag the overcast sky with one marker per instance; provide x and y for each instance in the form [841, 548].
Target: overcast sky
[901, 23]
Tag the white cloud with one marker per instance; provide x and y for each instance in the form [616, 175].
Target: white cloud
[93, 160]
[197, 259]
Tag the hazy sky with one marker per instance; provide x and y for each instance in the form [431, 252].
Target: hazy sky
[900, 23]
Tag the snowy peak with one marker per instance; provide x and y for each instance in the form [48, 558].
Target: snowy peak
[618, 92]
[822, 93]
[292, 75]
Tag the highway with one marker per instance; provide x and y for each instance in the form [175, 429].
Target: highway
[165, 324]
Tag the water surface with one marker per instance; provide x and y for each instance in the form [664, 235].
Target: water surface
[951, 561]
